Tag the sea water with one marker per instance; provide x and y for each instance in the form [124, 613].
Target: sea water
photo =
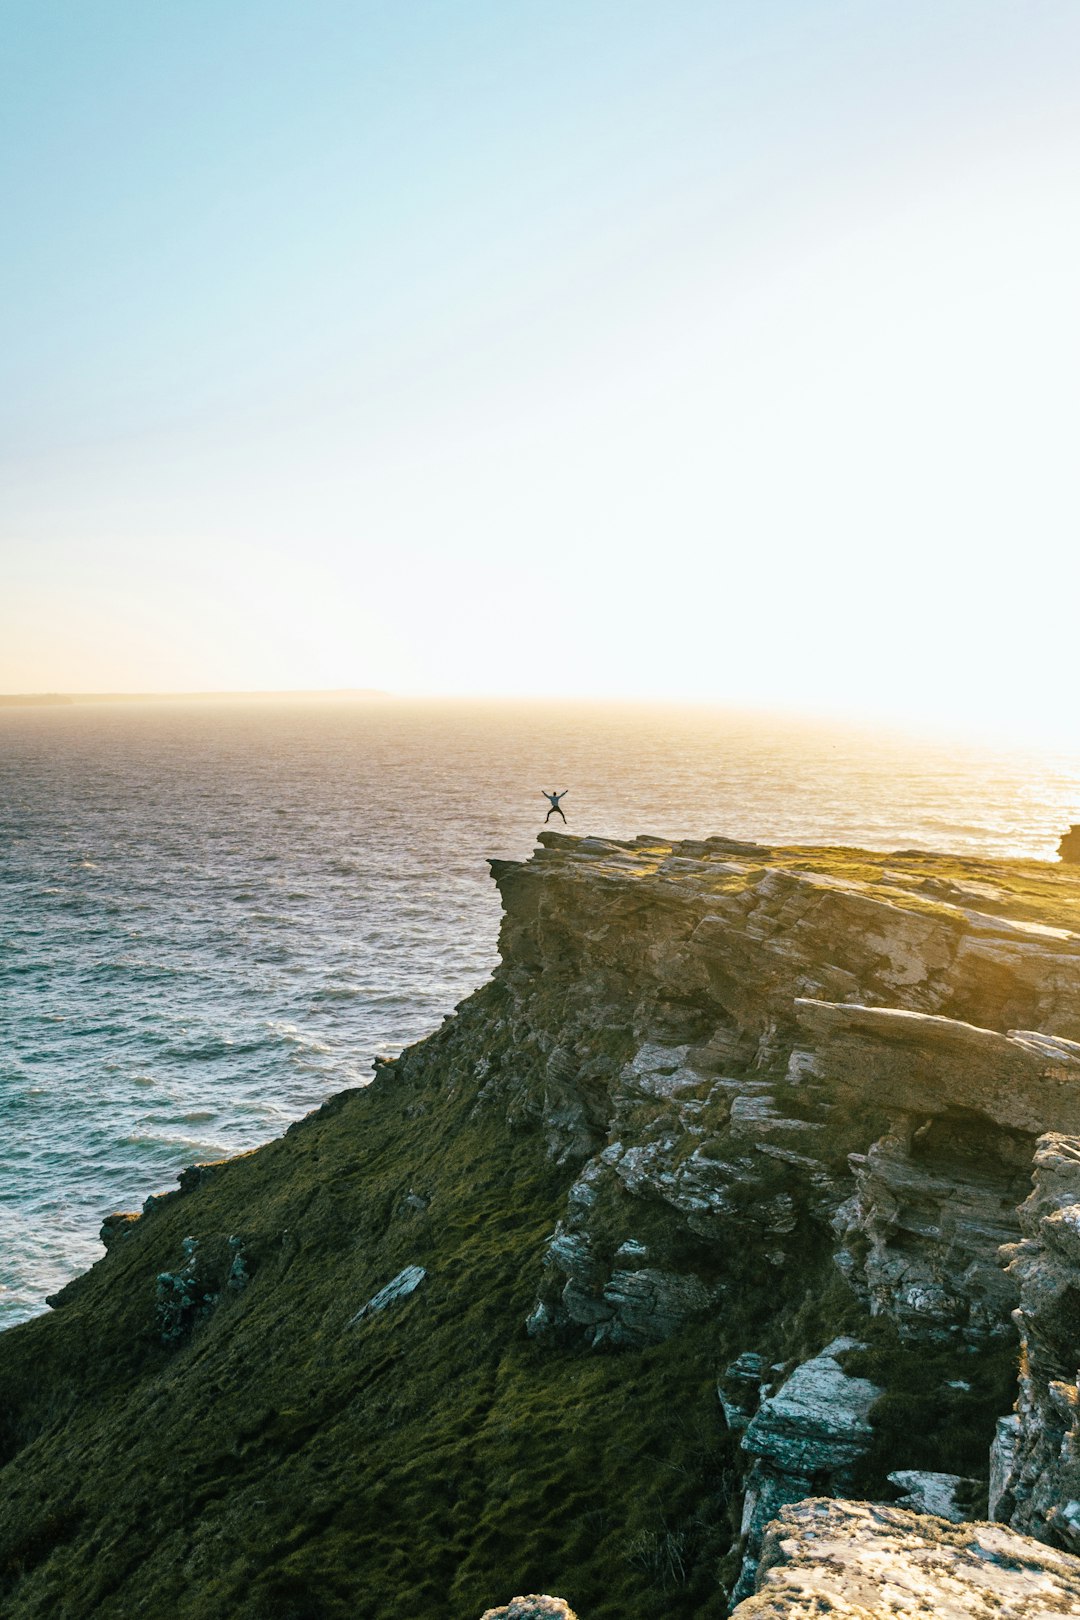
[215, 915]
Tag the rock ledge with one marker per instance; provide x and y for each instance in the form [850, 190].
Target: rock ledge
[860, 1561]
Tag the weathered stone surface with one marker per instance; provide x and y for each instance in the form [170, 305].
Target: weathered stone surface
[925, 1063]
[947, 1496]
[1069, 847]
[534, 1607]
[1002, 1467]
[862, 1561]
[921, 1233]
[649, 1305]
[739, 1389]
[400, 1287]
[806, 1052]
[1036, 1457]
[817, 1422]
[728, 1116]
[805, 1440]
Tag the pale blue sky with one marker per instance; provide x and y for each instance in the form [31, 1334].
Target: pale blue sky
[673, 349]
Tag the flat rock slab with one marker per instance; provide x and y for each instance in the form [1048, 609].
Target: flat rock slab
[864, 1561]
[400, 1287]
[926, 1063]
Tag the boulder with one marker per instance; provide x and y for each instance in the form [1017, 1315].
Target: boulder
[818, 1421]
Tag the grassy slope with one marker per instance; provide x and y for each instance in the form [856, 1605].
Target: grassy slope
[429, 1461]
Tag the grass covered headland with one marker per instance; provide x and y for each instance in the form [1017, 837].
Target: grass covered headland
[627, 1139]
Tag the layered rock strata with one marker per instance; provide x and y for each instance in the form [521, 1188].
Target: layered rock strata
[799, 1066]
[1036, 1457]
[795, 1056]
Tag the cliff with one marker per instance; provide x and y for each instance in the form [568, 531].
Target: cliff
[693, 1212]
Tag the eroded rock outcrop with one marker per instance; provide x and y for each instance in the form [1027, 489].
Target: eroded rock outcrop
[1069, 847]
[1036, 1472]
[805, 1441]
[799, 1059]
[753, 1099]
[857, 1560]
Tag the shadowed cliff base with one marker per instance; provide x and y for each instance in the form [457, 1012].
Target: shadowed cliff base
[692, 1212]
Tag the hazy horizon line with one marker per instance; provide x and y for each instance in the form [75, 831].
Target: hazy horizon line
[35, 698]
[945, 726]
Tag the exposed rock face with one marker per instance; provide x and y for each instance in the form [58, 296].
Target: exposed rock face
[856, 1561]
[805, 1440]
[933, 1201]
[805, 1056]
[1069, 848]
[1036, 1464]
[1023, 1081]
[947, 1496]
[746, 1103]
[740, 1389]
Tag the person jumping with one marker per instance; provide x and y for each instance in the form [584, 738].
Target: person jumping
[556, 807]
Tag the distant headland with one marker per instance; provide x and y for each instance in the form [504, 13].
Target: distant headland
[53, 699]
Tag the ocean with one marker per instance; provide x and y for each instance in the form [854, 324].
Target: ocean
[213, 915]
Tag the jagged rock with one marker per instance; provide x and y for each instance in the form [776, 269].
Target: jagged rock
[649, 1305]
[118, 1226]
[861, 1560]
[1036, 1457]
[922, 1233]
[400, 1287]
[626, 1302]
[1069, 847]
[805, 1438]
[767, 1491]
[535, 1607]
[817, 1422]
[947, 1496]
[740, 1389]
[1001, 1501]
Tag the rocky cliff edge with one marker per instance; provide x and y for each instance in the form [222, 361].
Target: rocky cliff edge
[718, 1198]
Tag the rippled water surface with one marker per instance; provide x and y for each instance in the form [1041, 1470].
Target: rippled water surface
[214, 915]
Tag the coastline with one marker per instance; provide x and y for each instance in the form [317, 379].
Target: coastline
[720, 1101]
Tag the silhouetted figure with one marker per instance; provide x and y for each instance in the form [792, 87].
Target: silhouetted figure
[556, 808]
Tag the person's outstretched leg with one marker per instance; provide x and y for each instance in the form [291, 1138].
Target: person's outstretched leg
[559, 808]
[549, 815]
